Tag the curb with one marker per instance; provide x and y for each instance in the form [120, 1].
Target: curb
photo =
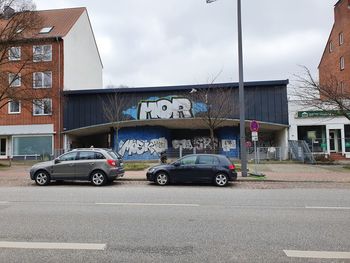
[251, 180]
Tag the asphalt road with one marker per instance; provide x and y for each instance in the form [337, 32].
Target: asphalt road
[147, 223]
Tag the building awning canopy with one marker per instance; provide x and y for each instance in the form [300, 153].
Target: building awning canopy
[192, 123]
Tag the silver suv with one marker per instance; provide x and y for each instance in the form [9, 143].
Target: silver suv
[91, 164]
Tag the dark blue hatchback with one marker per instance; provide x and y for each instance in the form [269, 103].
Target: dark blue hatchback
[210, 168]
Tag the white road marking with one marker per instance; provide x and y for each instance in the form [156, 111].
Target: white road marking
[48, 245]
[147, 204]
[317, 254]
[328, 207]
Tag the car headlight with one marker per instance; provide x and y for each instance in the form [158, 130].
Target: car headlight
[151, 170]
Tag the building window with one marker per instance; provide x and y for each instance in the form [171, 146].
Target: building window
[341, 39]
[342, 87]
[46, 30]
[42, 107]
[42, 79]
[15, 79]
[14, 107]
[32, 145]
[42, 53]
[342, 63]
[15, 53]
[330, 47]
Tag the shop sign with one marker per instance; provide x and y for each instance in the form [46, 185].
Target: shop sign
[318, 114]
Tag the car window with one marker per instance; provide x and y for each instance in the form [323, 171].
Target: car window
[68, 157]
[99, 156]
[114, 155]
[204, 159]
[86, 156]
[188, 160]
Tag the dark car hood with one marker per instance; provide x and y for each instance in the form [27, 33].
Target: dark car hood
[159, 166]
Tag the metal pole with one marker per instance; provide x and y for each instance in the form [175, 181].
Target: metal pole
[241, 94]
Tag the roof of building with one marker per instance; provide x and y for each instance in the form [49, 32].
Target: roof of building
[61, 21]
[180, 87]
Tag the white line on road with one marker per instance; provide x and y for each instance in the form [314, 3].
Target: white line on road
[48, 245]
[328, 207]
[147, 204]
[317, 254]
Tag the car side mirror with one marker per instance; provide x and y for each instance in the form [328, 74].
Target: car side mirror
[57, 161]
[176, 164]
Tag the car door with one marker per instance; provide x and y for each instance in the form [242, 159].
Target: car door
[86, 162]
[184, 170]
[64, 167]
[206, 167]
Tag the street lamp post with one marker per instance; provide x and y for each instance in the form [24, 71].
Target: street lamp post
[243, 149]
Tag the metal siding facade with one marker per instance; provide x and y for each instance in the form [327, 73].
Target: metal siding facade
[263, 103]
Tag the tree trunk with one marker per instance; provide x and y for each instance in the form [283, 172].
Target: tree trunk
[116, 129]
[212, 140]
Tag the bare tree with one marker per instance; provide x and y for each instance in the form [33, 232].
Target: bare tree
[17, 24]
[331, 97]
[213, 105]
[113, 106]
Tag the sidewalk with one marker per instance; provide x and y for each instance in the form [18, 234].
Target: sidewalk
[290, 172]
[281, 173]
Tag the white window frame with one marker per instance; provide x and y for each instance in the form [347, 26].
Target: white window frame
[13, 78]
[46, 30]
[14, 56]
[43, 76]
[342, 63]
[39, 53]
[341, 38]
[41, 107]
[330, 46]
[14, 112]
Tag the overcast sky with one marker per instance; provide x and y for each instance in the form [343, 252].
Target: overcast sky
[174, 42]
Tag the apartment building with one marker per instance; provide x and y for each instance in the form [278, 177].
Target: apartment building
[64, 56]
[324, 131]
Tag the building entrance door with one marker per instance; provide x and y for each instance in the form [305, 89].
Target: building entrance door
[334, 141]
[3, 144]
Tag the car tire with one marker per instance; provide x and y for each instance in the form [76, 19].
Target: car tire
[220, 179]
[42, 178]
[162, 178]
[98, 178]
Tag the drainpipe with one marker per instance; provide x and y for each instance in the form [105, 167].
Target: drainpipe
[59, 93]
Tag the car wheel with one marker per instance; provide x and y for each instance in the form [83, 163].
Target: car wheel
[98, 178]
[220, 179]
[162, 178]
[42, 178]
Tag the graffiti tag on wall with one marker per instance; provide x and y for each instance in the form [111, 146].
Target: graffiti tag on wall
[139, 147]
[200, 143]
[173, 108]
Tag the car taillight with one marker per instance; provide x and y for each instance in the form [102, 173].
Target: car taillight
[111, 162]
[231, 167]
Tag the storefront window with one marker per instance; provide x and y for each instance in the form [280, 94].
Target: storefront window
[315, 136]
[347, 138]
[32, 145]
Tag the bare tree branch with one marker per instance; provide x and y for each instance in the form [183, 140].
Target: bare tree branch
[332, 96]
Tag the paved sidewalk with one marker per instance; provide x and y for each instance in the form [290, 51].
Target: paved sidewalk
[283, 172]
[299, 173]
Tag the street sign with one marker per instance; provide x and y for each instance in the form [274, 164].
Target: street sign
[255, 136]
[254, 126]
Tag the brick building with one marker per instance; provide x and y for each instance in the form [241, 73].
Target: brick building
[335, 61]
[64, 56]
[325, 132]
